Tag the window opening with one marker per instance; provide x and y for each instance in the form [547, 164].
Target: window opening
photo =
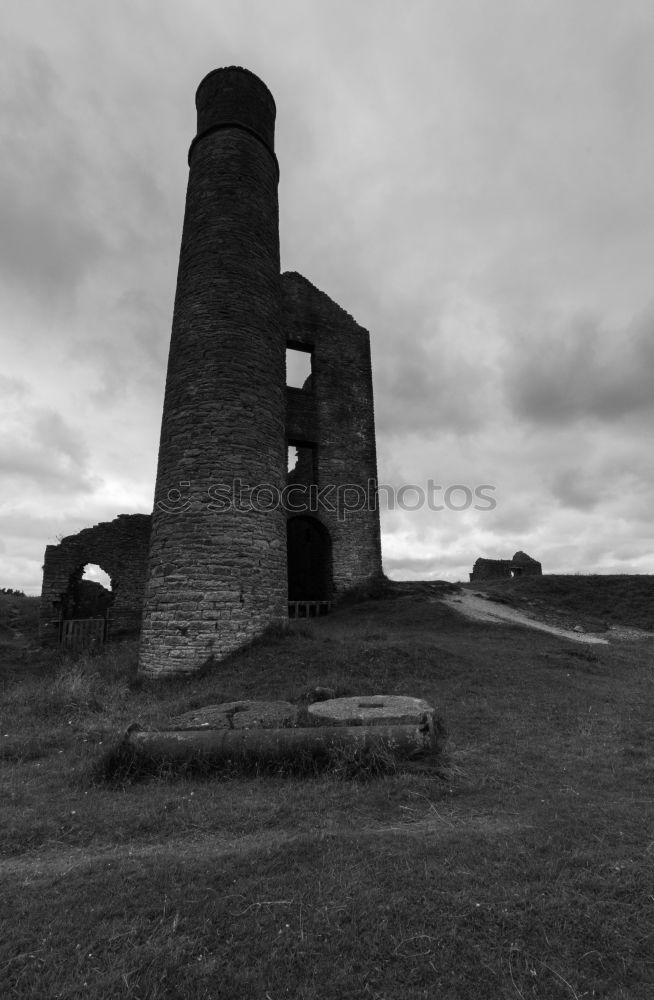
[298, 367]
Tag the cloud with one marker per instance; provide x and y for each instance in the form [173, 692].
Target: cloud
[429, 389]
[48, 243]
[38, 447]
[576, 489]
[416, 567]
[582, 370]
[13, 388]
[21, 524]
[467, 181]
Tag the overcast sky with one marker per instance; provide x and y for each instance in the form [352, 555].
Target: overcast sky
[472, 181]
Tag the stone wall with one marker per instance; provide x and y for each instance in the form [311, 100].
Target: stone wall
[217, 569]
[505, 569]
[120, 548]
[335, 414]
[491, 569]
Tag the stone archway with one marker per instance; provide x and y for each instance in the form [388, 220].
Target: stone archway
[85, 597]
[309, 552]
[120, 548]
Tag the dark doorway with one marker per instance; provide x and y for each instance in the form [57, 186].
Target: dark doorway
[309, 560]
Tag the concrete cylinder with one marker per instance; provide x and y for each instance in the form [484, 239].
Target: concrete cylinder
[217, 567]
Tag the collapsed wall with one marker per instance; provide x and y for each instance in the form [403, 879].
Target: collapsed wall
[332, 423]
[505, 569]
[120, 548]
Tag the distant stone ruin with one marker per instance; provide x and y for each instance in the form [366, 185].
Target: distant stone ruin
[236, 541]
[505, 569]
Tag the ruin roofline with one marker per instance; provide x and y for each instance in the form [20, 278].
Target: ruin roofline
[294, 277]
[84, 533]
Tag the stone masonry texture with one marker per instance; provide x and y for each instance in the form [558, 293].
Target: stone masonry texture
[336, 415]
[217, 578]
[505, 569]
[219, 567]
[120, 548]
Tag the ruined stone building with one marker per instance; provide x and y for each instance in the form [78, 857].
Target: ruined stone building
[505, 569]
[234, 537]
[120, 547]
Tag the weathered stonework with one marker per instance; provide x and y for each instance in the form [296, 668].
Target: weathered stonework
[334, 415]
[218, 577]
[224, 561]
[505, 569]
[225, 558]
[120, 548]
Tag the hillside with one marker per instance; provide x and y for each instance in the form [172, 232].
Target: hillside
[595, 601]
[19, 624]
[516, 864]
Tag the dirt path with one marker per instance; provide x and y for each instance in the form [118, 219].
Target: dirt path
[60, 861]
[486, 610]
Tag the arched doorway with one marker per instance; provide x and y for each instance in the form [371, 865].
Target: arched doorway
[90, 593]
[84, 608]
[309, 553]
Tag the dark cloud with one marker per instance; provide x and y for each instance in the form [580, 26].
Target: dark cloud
[425, 384]
[579, 489]
[583, 371]
[42, 448]
[48, 242]
[514, 518]
[442, 174]
[128, 349]
[46, 248]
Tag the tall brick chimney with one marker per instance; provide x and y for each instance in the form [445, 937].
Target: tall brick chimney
[217, 576]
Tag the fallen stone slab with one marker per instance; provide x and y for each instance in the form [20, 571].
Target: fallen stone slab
[265, 745]
[238, 715]
[374, 710]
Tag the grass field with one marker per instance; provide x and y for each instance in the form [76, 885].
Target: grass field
[518, 867]
[600, 601]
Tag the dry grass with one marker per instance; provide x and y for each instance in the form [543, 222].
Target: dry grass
[521, 867]
[594, 601]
